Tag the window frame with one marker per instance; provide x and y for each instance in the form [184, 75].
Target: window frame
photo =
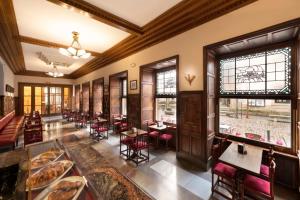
[292, 96]
[156, 96]
[122, 96]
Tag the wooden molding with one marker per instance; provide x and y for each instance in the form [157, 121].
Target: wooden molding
[44, 43]
[39, 74]
[182, 17]
[10, 49]
[100, 15]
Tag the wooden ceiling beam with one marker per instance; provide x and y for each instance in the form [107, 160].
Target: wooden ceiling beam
[34, 41]
[182, 17]
[11, 50]
[39, 74]
[99, 14]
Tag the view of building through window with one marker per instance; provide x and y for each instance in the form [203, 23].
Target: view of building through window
[165, 101]
[166, 110]
[268, 122]
[263, 119]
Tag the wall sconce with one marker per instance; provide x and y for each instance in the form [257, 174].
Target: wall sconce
[190, 78]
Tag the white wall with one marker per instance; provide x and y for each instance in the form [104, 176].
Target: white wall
[189, 45]
[6, 77]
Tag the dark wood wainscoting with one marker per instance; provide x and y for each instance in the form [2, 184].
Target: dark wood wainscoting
[106, 106]
[134, 106]
[7, 105]
[287, 170]
[191, 140]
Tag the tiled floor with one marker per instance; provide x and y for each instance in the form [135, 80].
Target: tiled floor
[164, 177]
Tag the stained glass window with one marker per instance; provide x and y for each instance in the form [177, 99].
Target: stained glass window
[266, 72]
[166, 82]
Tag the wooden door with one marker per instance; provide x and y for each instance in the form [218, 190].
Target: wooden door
[211, 123]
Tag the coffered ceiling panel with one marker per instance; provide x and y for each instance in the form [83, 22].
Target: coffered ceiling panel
[36, 58]
[44, 20]
[136, 11]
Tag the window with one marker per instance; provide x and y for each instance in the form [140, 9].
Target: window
[38, 99]
[165, 97]
[256, 102]
[242, 79]
[67, 98]
[55, 100]
[166, 83]
[124, 96]
[27, 99]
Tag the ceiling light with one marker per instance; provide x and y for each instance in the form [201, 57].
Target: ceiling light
[75, 51]
[55, 72]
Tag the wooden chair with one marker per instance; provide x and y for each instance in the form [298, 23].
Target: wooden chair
[226, 175]
[154, 135]
[259, 186]
[125, 141]
[140, 143]
[167, 135]
[33, 136]
[102, 131]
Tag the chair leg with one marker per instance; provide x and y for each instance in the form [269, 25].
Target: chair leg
[212, 183]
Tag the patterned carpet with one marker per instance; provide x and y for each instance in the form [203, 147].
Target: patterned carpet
[106, 181]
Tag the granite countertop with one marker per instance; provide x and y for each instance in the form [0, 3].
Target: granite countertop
[15, 157]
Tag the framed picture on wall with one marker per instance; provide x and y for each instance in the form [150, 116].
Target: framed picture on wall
[133, 85]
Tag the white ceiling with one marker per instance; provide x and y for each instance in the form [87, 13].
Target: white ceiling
[33, 62]
[43, 20]
[139, 12]
[47, 21]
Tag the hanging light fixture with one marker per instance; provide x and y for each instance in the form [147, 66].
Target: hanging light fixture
[55, 72]
[75, 51]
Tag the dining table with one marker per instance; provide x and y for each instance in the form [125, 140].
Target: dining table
[158, 128]
[250, 161]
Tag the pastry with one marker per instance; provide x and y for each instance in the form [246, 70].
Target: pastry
[64, 190]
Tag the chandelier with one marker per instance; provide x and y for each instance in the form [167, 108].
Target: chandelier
[55, 72]
[75, 51]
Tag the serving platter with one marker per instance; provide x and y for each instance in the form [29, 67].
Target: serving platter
[65, 162]
[46, 192]
[61, 152]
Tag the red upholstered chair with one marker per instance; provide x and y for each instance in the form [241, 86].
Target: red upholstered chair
[154, 135]
[140, 144]
[259, 186]
[102, 131]
[226, 174]
[32, 136]
[167, 135]
[116, 123]
[125, 141]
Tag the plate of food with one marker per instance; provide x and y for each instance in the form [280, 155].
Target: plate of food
[48, 174]
[46, 158]
[68, 188]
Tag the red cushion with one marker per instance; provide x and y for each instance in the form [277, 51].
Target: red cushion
[257, 184]
[264, 170]
[154, 134]
[124, 124]
[166, 136]
[102, 129]
[117, 123]
[127, 140]
[94, 126]
[223, 169]
[7, 139]
[139, 145]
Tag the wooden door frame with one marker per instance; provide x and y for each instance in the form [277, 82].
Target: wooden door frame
[101, 81]
[111, 76]
[150, 66]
